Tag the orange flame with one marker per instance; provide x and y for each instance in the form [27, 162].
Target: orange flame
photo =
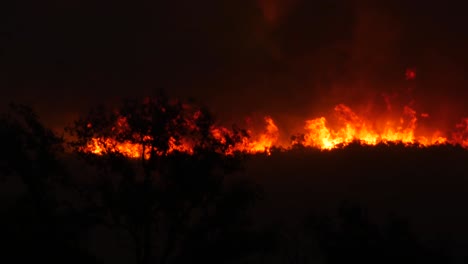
[318, 133]
[265, 141]
[354, 128]
[261, 143]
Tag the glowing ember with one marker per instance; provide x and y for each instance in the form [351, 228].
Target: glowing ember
[410, 74]
[100, 146]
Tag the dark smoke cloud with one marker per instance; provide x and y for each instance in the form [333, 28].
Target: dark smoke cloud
[241, 57]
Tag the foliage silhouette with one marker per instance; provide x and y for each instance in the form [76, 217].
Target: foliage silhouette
[173, 204]
[35, 226]
[179, 207]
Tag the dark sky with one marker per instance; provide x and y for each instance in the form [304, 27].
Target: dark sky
[241, 57]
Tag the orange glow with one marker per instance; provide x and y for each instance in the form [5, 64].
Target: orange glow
[100, 146]
[461, 135]
[325, 133]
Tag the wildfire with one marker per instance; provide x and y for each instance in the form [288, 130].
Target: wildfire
[265, 141]
[355, 128]
[320, 133]
[251, 143]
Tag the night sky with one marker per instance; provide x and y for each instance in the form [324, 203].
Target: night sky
[285, 58]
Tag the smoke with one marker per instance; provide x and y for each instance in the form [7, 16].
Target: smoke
[274, 11]
[291, 59]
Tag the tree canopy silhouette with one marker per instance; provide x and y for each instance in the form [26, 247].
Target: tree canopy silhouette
[35, 226]
[177, 206]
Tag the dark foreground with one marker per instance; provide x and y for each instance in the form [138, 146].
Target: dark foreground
[383, 204]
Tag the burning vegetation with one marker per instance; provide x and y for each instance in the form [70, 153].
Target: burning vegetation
[159, 126]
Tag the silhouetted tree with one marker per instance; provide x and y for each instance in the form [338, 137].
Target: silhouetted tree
[34, 226]
[176, 206]
[29, 150]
